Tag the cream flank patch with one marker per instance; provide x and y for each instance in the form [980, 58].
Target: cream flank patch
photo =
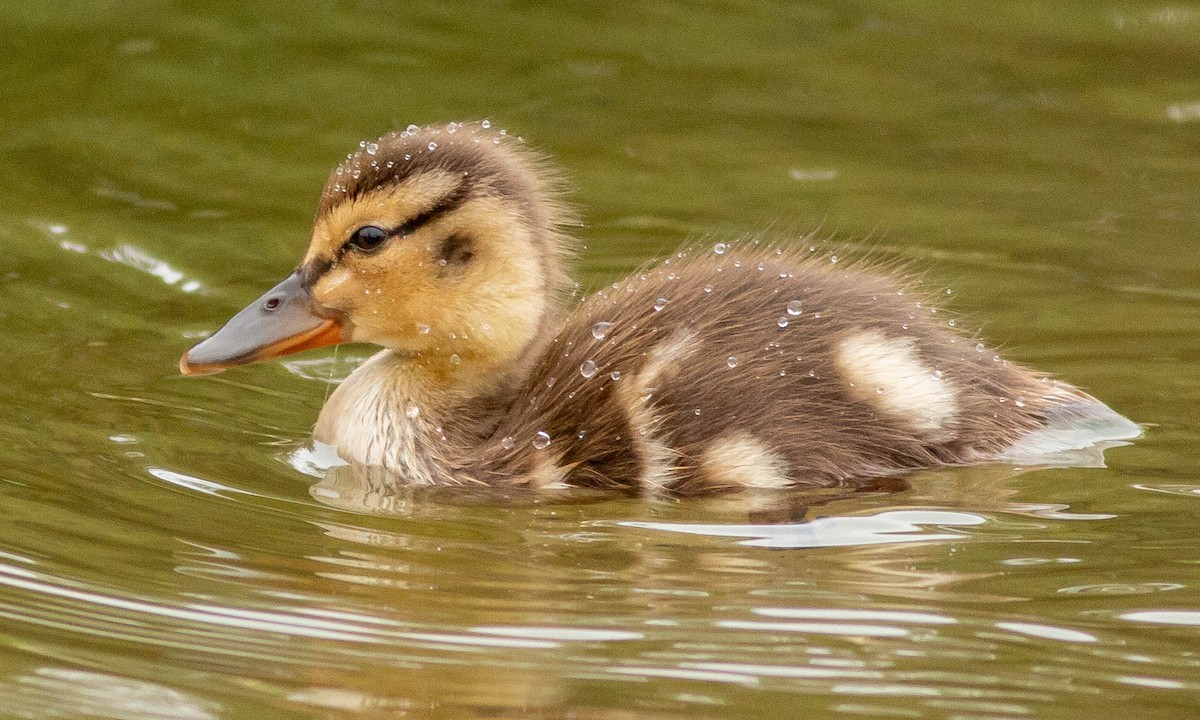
[637, 397]
[889, 373]
[741, 460]
[545, 475]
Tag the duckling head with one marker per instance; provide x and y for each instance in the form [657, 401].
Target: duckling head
[440, 243]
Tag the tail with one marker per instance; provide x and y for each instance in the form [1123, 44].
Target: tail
[1077, 430]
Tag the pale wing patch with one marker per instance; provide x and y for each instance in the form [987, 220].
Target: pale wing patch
[741, 460]
[637, 397]
[889, 373]
[546, 474]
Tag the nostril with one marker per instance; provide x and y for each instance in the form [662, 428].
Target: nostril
[271, 304]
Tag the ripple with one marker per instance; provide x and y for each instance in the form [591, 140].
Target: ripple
[782, 671]
[850, 614]
[208, 487]
[1048, 632]
[139, 259]
[1170, 489]
[1120, 588]
[564, 634]
[49, 691]
[892, 526]
[1165, 617]
[817, 628]
[686, 674]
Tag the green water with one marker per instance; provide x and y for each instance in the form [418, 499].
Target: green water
[161, 555]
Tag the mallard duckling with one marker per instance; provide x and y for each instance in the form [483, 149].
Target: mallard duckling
[722, 368]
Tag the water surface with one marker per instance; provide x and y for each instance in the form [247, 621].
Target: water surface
[163, 554]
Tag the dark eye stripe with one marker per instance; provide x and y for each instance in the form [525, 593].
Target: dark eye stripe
[446, 204]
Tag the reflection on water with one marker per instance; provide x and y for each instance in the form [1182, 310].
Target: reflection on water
[896, 526]
[43, 692]
[172, 548]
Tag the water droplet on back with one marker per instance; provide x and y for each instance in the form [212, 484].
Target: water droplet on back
[793, 308]
[719, 248]
[541, 441]
[507, 442]
[731, 361]
[588, 368]
[660, 304]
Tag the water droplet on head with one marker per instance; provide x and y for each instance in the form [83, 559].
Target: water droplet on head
[600, 330]
[782, 321]
[937, 374]
[719, 248]
[951, 323]
[485, 124]
[432, 146]
[496, 140]
[995, 358]
[793, 308]
[615, 375]
[878, 391]
[423, 328]
[708, 288]
[507, 442]
[696, 411]
[412, 411]
[452, 127]
[731, 361]
[979, 347]
[588, 368]
[372, 148]
[412, 129]
[660, 304]
[1019, 402]
[455, 359]
[833, 258]
[541, 441]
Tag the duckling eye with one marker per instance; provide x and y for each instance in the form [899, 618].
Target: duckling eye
[367, 238]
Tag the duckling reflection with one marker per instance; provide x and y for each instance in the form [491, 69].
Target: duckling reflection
[723, 368]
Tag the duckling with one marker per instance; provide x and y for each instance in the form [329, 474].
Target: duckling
[725, 367]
